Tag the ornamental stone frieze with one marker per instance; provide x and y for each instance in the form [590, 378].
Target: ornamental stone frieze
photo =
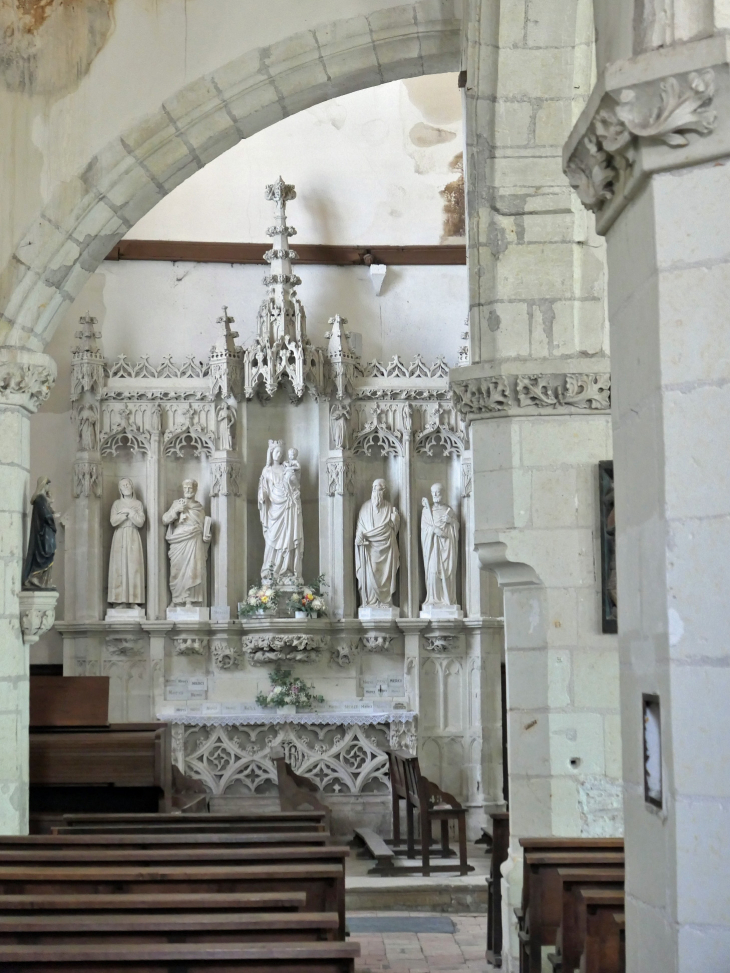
[261, 649]
[481, 396]
[658, 111]
[26, 378]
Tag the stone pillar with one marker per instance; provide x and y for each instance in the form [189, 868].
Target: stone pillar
[227, 516]
[26, 379]
[337, 510]
[537, 396]
[409, 523]
[665, 218]
[157, 632]
[158, 595]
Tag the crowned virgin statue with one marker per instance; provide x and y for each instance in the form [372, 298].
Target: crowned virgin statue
[280, 508]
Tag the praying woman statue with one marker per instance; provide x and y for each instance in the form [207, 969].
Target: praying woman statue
[42, 540]
[126, 562]
[280, 509]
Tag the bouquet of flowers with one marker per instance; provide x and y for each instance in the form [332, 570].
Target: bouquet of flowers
[286, 691]
[310, 599]
[262, 598]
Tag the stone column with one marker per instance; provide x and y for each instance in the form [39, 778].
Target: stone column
[26, 379]
[665, 218]
[409, 512]
[227, 516]
[337, 513]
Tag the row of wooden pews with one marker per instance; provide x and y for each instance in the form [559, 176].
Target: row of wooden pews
[264, 893]
[572, 899]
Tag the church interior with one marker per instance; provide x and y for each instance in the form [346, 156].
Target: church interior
[364, 486]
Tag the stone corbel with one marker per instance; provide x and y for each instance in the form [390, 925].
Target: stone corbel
[492, 553]
[37, 613]
[655, 112]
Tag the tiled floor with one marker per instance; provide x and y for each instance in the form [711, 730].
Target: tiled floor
[410, 952]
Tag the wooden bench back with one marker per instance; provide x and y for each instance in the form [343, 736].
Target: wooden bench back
[397, 761]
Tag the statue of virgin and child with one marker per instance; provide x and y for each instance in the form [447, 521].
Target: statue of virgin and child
[280, 509]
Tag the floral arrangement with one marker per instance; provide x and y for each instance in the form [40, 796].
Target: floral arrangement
[310, 598]
[265, 597]
[286, 691]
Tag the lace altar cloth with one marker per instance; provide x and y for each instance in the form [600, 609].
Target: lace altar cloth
[274, 719]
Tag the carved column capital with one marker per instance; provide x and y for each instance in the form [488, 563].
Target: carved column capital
[26, 377]
[481, 393]
[658, 111]
[37, 613]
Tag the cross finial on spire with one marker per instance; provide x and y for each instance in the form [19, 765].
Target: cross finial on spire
[226, 320]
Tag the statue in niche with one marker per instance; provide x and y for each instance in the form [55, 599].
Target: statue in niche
[126, 562]
[339, 414]
[42, 540]
[87, 420]
[376, 549]
[188, 534]
[226, 417]
[280, 509]
[440, 544]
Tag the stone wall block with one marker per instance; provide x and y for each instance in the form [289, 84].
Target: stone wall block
[596, 679]
[563, 628]
[192, 102]
[536, 73]
[554, 498]
[559, 670]
[529, 742]
[551, 23]
[512, 17]
[575, 440]
[577, 736]
[528, 679]
[554, 122]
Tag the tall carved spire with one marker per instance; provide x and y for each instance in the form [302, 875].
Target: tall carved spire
[282, 354]
[87, 360]
[281, 315]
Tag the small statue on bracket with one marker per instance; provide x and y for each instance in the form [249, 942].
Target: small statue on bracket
[42, 540]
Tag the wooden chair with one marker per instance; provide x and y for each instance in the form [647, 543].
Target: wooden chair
[298, 793]
[398, 790]
[500, 853]
[433, 804]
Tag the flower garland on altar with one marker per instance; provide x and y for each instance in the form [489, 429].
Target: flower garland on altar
[286, 691]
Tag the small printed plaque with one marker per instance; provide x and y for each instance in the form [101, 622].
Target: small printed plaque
[176, 689]
[212, 709]
[197, 684]
[396, 686]
[220, 613]
[374, 688]
[180, 709]
[230, 709]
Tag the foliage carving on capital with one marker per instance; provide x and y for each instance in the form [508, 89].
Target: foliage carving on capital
[482, 396]
[261, 649]
[225, 479]
[23, 381]
[226, 655]
[190, 645]
[440, 644]
[87, 480]
[598, 167]
[340, 477]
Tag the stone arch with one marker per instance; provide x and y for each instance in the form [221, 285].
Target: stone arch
[88, 215]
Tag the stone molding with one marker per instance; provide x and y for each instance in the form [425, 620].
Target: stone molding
[261, 649]
[483, 396]
[37, 613]
[659, 111]
[87, 480]
[26, 378]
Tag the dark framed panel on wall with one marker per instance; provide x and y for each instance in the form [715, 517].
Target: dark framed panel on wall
[607, 517]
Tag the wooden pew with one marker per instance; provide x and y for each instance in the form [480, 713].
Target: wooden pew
[298, 793]
[375, 848]
[324, 884]
[540, 915]
[500, 853]
[281, 820]
[328, 957]
[569, 938]
[602, 941]
[186, 927]
[20, 905]
[166, 839]
[398, 790]
[154, 856]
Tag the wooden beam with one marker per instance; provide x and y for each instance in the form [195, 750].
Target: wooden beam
[308, 253]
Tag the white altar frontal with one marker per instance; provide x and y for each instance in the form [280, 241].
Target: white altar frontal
[270, 465]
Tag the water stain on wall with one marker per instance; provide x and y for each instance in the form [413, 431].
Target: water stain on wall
[49, 45]
[454, 204]
[436, 96]
[426, 136]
